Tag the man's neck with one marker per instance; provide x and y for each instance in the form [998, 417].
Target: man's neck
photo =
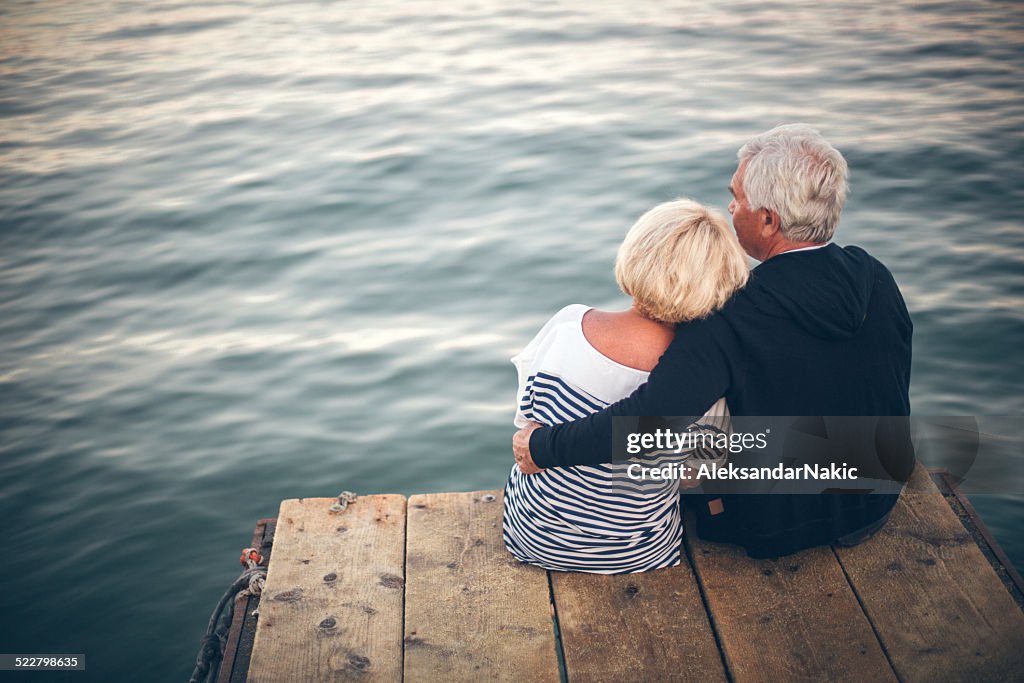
[784, 246]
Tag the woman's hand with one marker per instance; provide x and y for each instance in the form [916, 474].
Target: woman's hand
[521, 448]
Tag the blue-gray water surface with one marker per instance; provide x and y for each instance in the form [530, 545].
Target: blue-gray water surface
[257, 250]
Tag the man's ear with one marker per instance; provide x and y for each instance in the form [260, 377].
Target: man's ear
[769, 221]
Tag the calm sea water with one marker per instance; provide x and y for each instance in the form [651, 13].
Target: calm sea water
[255, 250]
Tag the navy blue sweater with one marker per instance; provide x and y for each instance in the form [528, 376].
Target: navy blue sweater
[820, 332]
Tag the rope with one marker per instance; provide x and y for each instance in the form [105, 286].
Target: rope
[344, 498]
[211, 646]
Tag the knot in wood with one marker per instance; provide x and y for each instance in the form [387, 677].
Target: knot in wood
[359, 662]
[291, 595]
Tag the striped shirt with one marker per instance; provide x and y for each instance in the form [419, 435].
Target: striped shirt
[594, 518]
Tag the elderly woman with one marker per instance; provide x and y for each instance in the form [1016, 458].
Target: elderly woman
[679, 262]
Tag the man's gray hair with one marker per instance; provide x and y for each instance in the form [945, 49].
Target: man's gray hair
[795, 172]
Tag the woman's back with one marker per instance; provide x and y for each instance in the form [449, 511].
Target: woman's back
[592, 519]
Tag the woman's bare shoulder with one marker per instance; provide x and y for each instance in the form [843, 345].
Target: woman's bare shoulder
[627, 338]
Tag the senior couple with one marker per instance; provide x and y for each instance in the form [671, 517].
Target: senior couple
[815, 329]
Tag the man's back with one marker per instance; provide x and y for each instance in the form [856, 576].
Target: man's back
[819, 332]
[816, 333]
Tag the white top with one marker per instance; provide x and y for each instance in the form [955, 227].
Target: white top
[587, 518]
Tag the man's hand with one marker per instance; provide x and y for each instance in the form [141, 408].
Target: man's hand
[521, 448]
[690, 480]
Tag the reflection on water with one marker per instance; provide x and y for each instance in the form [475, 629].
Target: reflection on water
[251, 251]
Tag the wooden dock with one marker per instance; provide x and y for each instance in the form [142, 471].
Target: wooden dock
[423, 590]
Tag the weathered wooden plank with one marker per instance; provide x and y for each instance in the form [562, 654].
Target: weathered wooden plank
[332, 607]
[791, 618]
[937, 605]
[472, 611]
[636, 627]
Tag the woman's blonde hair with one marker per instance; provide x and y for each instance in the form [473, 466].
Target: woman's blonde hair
[680, 261]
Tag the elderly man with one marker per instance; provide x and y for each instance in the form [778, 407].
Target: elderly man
[819, 330]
